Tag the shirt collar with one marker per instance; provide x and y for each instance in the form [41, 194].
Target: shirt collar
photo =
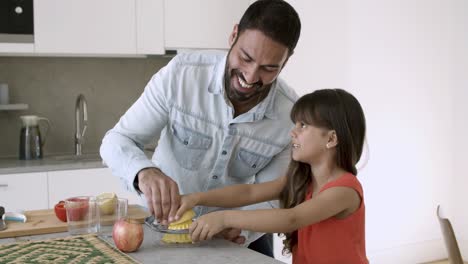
[267, 106]
[217, 81]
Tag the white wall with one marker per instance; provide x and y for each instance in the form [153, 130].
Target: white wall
[396, 57]
[399, 66]
[460, 139]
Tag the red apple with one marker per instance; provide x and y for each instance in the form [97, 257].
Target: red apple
[127, 235]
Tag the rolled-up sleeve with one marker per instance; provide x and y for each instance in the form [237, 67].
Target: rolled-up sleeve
[122, 146]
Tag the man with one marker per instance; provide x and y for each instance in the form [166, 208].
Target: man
[219, 119]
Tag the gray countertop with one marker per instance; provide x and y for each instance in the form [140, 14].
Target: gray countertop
[154, 251]
[11, 165]
[51, 163]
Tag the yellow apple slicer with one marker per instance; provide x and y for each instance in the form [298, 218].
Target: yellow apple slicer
[180, 226]
[176, 232]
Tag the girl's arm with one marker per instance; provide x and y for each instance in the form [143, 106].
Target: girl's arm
[329, 203]
[234, 195]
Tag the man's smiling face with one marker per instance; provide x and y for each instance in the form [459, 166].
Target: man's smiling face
[253, 63]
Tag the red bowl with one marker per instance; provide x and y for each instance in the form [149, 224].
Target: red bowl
[60, 211]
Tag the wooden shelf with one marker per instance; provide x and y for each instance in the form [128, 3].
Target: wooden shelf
[11, 107]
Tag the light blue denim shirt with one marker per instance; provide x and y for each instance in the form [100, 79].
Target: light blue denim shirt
[201, 145]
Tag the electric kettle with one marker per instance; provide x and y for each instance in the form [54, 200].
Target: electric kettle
[31, 142]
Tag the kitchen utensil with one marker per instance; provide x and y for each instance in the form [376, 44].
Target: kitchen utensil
[15, 216]
[154, 225]
[31, 141]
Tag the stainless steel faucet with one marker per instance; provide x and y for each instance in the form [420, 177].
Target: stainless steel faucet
[81, 122]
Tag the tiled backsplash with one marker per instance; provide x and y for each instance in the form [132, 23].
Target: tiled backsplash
[50, 85]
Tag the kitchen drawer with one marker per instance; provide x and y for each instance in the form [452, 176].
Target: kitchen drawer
[24, 191]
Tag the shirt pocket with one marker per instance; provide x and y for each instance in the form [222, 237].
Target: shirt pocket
[189, 146]
[247, 164]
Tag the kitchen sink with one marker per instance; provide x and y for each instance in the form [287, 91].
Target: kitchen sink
[73, 157]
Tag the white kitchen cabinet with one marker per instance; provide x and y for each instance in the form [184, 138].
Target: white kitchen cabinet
[201, 23]
[69, 183]
[150, 26]
[85, 27]
[23, 191]
[129, 27]
[7, 48]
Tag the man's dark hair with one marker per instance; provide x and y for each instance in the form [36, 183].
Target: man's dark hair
[276, 19]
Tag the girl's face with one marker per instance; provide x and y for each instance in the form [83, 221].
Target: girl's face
[309, 143]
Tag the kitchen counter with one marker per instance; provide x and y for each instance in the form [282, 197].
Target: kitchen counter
[154, 251]
[11, 165]
[52, 163]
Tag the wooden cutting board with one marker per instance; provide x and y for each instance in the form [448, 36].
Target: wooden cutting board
[45, 222]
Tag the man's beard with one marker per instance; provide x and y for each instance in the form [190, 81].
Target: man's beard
[232, 92]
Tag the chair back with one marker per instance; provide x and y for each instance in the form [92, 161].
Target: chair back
[450, 240]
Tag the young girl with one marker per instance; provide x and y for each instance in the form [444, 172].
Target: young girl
[322, 200]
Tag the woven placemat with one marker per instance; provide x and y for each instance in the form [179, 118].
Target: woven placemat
[73, 249]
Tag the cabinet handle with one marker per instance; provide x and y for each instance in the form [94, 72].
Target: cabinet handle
[3, 185]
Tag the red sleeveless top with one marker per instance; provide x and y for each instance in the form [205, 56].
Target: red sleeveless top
[334, 241]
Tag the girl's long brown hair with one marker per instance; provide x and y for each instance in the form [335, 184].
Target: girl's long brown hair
[333, 109]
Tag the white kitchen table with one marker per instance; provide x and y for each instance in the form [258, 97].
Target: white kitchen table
[152, 250]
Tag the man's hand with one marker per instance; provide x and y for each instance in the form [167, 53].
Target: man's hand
[233, 235]
[161, 192]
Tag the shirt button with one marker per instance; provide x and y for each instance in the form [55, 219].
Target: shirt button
[215, 177]
[224, 152]
[254, 166]
[185, 142]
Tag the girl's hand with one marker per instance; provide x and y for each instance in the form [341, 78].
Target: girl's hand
[187, 202]
[206, 226]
